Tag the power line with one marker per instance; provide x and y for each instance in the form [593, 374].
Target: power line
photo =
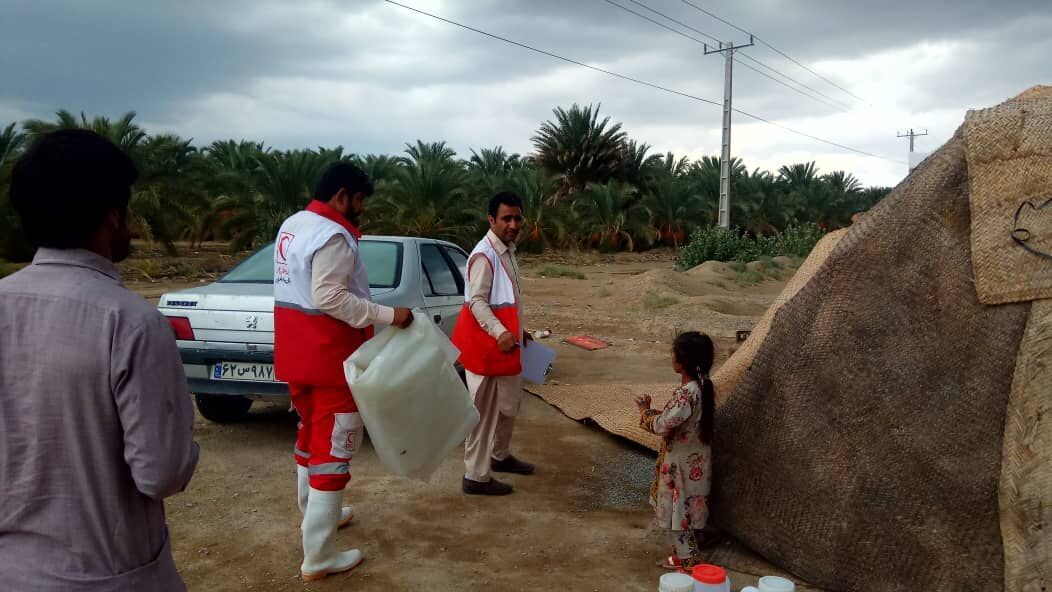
[775, 49]
[637, 81]
[663, 15]
[829, 102]
[556, 56]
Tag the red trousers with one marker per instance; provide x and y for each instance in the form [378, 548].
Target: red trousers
[329, 434]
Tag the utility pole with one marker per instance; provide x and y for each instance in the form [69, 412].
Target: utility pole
[912, 134]
[727, 49]
[913, 159]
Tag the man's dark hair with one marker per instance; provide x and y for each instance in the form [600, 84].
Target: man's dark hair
[342, 175]
[64, 185]
[504, 197]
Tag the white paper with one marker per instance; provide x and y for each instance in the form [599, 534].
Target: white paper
[535, 361]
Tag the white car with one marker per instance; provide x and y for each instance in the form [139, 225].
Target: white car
[225, 330]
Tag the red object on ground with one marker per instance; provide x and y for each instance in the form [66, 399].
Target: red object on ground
[709, 574]
[586, 342]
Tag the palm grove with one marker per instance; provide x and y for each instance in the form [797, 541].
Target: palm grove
[586, 185]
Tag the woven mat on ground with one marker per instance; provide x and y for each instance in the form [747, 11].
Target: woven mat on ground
[862, 449]
[611, 406]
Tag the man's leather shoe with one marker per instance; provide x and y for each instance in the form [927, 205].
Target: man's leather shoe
[491, 487]
[511, 465]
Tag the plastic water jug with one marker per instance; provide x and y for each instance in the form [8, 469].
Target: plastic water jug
[710, 578]
[772, 584]
[412, 402]
[676, 582]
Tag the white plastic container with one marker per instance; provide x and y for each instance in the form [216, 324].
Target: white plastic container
[676, 582]
[772, 584]
[710, 578]
[414, 405]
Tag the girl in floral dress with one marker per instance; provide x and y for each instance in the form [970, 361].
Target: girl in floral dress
[683, 477]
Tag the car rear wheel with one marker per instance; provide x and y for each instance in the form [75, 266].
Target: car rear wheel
[223, 408]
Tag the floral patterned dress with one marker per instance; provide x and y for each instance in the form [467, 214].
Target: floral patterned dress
[682, 477]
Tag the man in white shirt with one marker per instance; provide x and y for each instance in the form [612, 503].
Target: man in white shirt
[490, 338]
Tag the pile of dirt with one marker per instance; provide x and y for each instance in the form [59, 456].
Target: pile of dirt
[708, 298]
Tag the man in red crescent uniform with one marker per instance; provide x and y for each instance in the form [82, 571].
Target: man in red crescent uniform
[489, 336]
[322, 314]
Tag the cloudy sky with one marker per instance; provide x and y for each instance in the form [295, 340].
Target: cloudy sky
[371, 76]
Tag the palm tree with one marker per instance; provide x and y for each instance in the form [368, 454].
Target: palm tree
[279, 184]
[379, 167]
[705, 175]
[637, 168]
[14, 246]
[614, 216]
[805, 195]
[669, 165]
[170, 191]
[427, 197]
[675, 207]
[843, 182]
[845, 190]
[429, 151]
[127, 135]
[799, 175]
[10, 143]
[544, 223]
[869, 197]
[491, 167]
[758, 204]
[578, 148]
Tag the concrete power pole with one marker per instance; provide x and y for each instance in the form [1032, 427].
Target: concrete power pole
[912, 134]
[913, 159]
[727, 49]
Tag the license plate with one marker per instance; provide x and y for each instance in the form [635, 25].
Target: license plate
[243, 372]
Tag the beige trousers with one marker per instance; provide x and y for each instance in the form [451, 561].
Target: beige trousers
[497, 399]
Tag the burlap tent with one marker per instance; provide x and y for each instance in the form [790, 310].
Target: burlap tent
[889, 427]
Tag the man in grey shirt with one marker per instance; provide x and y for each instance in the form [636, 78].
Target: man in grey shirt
[96, 424]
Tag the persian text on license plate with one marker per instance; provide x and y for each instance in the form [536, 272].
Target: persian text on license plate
[243, 371]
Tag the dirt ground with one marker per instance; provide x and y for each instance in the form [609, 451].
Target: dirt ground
[581, 523]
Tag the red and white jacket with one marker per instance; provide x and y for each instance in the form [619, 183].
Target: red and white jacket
[310, 346]
[479, 353]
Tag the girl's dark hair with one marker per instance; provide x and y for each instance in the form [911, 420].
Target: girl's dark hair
[694, 351]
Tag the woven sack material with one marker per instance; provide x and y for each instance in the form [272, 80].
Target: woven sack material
[727, 376]
[1010, 171]
[1026, 474]
[862, 449]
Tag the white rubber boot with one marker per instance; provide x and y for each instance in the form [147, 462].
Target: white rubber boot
[303, 488]
[320, 557]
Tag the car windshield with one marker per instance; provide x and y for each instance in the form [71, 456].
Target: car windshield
[383, 262]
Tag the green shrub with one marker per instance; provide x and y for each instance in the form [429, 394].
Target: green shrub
[710, 243]
[748, 277]
[559, 271]
[713, 243]
[653, 300]
[768, 262]
[797, 241]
